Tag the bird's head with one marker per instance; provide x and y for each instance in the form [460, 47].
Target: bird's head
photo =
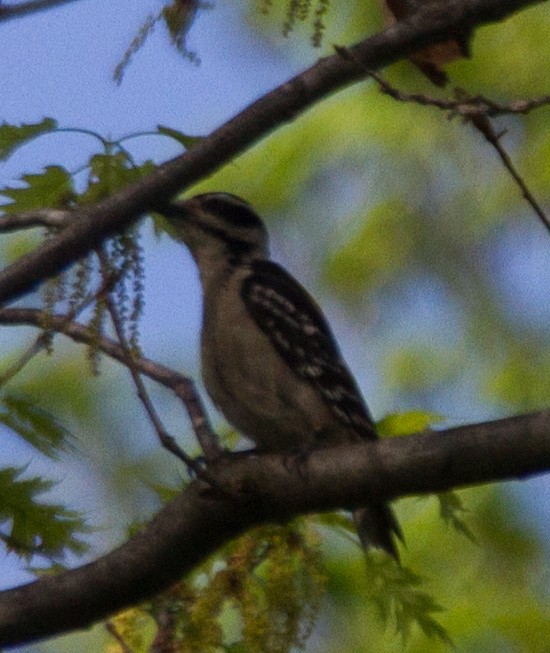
[218, 225]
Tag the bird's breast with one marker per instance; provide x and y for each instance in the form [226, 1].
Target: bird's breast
[252, 385]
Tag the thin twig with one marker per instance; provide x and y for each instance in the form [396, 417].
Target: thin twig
[33, 350]
[167, 440]
[483, 124]
[465, 105]
[111, 629]
[476, 110]
[182, 386]
[7, 12]
[60, 218]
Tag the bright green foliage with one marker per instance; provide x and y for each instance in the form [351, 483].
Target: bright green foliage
[362, 260]
[395, 590]
[522, 378]
[135, 627]
[111, 171]
[52, 188]
[270, 581]
[451, 509]
[407, 423]
[58, 384]
[13, 136]
[35, 425]
[473, 594]
[420, 367]
[50, 530]
[399, 594]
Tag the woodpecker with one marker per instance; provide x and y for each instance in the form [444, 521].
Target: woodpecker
[269, 360]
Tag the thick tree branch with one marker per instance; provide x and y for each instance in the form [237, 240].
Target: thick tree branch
[267, 489]
[433, 23]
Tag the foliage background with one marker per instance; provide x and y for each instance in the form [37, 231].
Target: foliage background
[432, 270]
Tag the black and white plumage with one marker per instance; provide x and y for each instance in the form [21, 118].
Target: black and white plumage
[269, 360]
[300, 333]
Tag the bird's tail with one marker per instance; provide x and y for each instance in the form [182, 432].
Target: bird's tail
[377, 526]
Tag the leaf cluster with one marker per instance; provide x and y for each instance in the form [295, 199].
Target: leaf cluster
[262, 593]
[31, 527]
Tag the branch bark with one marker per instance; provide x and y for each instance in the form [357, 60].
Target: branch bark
[435, 22]
[265, 488]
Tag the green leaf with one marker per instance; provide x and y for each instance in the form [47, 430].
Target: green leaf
[407, 423]
[34, 527]
[12, 136]
[396, 592]
[111, 172]
[32, 423]
[52, 188]
[450, 508]
[187, 141]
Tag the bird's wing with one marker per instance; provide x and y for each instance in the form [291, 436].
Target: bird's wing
[298, 330]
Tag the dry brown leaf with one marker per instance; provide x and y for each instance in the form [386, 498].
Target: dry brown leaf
[429, 60]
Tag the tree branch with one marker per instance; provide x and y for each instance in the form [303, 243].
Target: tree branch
[433, 23]
[484, 125]
[266, 489]
[7, 12]
[166, 440]
[54, 218]
[466, 106]
[478, 111]
[181, 385]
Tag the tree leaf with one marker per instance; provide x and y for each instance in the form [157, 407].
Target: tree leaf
[33, 527]
[396, 592]
[52, 188]
[451, 507]
[34, 424]
[407, 423]
[13, 136]
[111, 172]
